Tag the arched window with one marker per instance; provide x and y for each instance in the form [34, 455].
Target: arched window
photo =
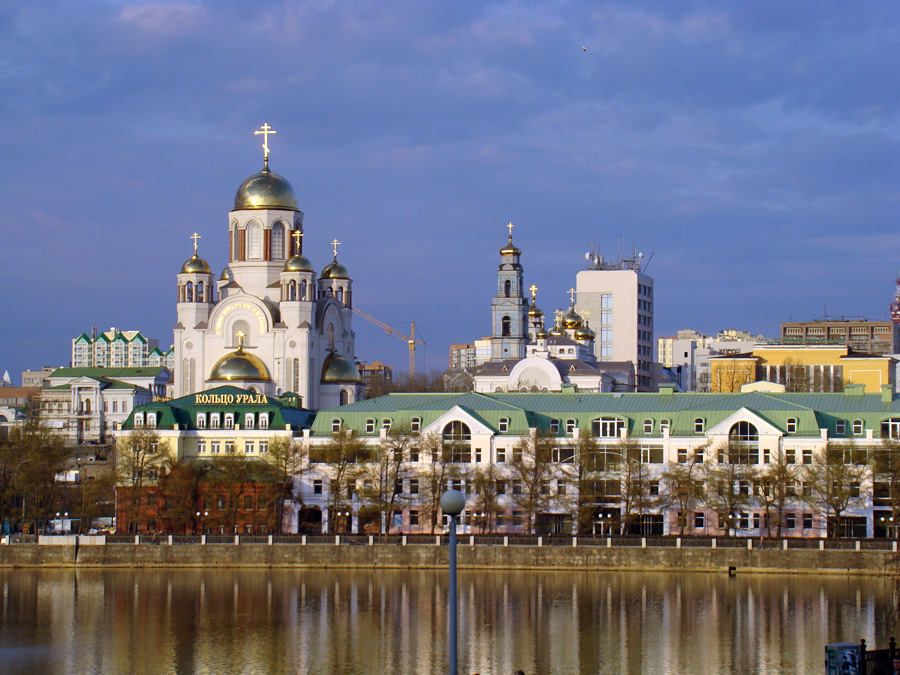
[200, 297]
[330, 336]
[743, 432]
[235, 243]
[743, 445]
[189, 292]
[457, 442]
[792, 425]
[240, 326]
[340, 295]
[87, 405]
[303, 290]
[507, 287]
[345, 397]
[278, 241]
[254, 241]
[505, 326]
[249, 421]
[292, 292]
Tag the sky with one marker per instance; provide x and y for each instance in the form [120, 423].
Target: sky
[748, 149]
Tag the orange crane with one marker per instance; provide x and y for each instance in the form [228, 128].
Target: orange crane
[409, 339]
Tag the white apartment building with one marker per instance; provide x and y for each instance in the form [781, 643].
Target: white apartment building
[687, 354]
[616, 300]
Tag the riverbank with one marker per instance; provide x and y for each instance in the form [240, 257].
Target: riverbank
[66, 554]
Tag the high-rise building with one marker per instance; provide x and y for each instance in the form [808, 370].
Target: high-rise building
[862, 335]
[462, 357]
[616, 300]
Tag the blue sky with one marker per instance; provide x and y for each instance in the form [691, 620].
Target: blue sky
[750, 147]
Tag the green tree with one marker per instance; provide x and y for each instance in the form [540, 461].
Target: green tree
[532, 467]
[342, 456]
[834, 480]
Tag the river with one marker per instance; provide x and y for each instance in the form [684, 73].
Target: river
[352, 622]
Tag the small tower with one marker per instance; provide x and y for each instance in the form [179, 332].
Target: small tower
[298, 284]
[535, 317]
[335, 281]
[509, 307]
[195, 290]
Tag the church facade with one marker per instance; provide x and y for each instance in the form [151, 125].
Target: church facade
[269, 324]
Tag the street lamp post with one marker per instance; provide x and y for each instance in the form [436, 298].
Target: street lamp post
[452, 504]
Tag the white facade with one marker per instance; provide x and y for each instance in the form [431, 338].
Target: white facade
[619, 308]
[268, 324]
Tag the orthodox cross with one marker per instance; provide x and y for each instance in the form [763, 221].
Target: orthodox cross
[265, 130]
[297, 235]
[533, 290]
[240, 336]
[559, 315]
[195, 237]
[334, 245]
[510, 226]
[585, 314]
[572, 293]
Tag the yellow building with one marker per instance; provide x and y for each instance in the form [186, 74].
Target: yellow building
[814, 368]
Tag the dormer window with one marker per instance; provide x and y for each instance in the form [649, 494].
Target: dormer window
[370, 426]
[264, 420]
[415, 424]
[386, 424]
[663, 426]
[791, 425]
[151, 420]
[648, 426]
[554, 426]
[840, 427]
[570, 427]
[698, 425]
[249, 421]
[229, 420]
[138, 420]
[858, 427]
[201, 420]
[503, 426]
[215, 421]
[336, 426]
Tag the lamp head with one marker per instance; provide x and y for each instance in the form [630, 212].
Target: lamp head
[453, 502]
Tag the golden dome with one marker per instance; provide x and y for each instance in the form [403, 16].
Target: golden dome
[571, 319]
[556, 330]
[534, 312]
[195, 265]
[239, 365]
[298, 263]
[541, 334]
[510, 248]
[266, 190]
[226, 275]
[339, 369]
[334, 270]
[584, 333]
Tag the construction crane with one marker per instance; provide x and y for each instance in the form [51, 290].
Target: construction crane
[409, 339]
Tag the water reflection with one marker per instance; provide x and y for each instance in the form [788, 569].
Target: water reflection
[358, 622]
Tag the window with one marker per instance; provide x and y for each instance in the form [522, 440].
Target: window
[744, 521]
[229, 447]
[698, 425]
[648, 426]
[413, 517]
[415, 424]
[792, 425]
[214, 420]
[501, 487]
[545, 487]
[554, 426]
[413, 486]
[570, 427]
[413, 454]
[790, 456]
[807, 456]
[336, 426]
[317, 486]
[201, 447]
[249, 447]
[699, 520]
[663, 426]
[263, 447]
[457, 442]
[505, 327]
[201, 420]
[151, 420]
[560, 487]
[682, 455]
[807, 521]
[564, 455]
[386, 424]
[607, 427]
[248, 502]
[115, 406]
[699, 455]
[370, 426]
[857, 427]
[264, 420]
[840, 427]
[254, 241]
[503, 427]
[249, 421]
[790, 521]
[277, 241]
[501, 455]
[229, 420]
[654, 488]
[652, 454]
[138, 420]
[214, 447]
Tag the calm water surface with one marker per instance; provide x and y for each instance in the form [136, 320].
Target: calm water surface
[360, 622]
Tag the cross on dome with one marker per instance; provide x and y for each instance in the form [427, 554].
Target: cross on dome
[533, 290]
[195, 237]
[572, 293]
[510, 226]
[265, 130]
[240, 336]
[334, 244]
[559, 315]
[297, 235]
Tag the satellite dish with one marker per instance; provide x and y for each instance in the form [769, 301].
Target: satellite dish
[587, 256]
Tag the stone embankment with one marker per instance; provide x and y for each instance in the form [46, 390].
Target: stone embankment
[367, 553]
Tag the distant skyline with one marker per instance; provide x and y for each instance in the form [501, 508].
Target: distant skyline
[750, 148]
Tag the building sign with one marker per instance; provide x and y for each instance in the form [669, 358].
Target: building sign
[230, 399]
[253, 309]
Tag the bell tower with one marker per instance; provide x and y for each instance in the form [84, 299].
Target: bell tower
[509, 307]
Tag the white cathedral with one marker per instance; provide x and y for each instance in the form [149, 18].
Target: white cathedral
[268, 324]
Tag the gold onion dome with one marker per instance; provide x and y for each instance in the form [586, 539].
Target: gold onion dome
[510, 248]
[534, 311]
[298, 263]
[339, 369]
[556, 330]
[239, 365]
[195, 265]
[266, 190]
[334, 270]
[571, 319]
[226, 275]
[541, 334]
[584, 333]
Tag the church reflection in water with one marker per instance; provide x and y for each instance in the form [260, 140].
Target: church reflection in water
[315, 622]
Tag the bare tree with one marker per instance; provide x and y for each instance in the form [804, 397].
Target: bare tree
[886, 478]
[775, 489]
[729, 482]
[635, 485]
[385, 473]
[684, 488]
[139, 457]
[834, 479]
[532, 467]
[285, 457]
[486, 481]
[448, 462]
[343, 456]
[594, 475]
